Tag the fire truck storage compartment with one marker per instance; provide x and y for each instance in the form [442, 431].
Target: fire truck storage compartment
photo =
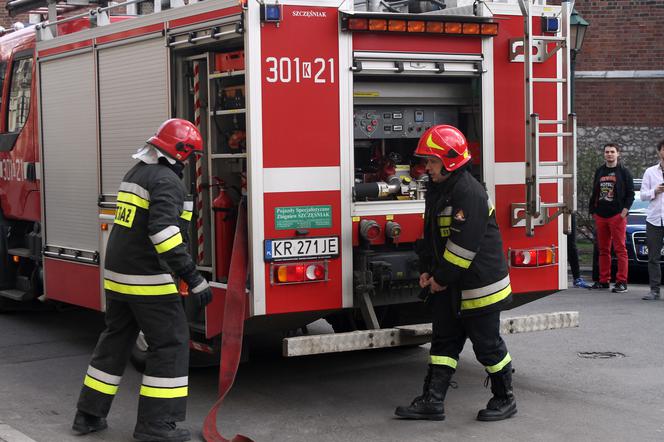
[70, 183]
[390, 114]
[391, 111]
[210, 82]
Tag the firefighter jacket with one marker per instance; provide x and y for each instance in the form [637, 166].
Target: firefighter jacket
[146, 245]
[462, 247]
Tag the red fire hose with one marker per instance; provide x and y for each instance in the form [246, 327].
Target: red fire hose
[232, 328]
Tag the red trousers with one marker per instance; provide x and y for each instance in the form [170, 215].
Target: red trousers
[611, 231]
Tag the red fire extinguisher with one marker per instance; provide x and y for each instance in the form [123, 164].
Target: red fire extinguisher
[224, 227]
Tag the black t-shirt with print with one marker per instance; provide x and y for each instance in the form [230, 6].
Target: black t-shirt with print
[607, 203]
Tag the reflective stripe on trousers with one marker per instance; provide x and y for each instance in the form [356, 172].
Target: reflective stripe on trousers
[165, 388]
[143, 285]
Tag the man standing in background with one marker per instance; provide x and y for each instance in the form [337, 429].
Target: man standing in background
[652, 188]
[611, 198]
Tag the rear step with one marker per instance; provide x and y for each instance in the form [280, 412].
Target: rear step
[23, 253]
[517, 324]
[416, 334]
[16, 295]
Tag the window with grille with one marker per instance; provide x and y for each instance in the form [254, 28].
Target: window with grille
[19, 94]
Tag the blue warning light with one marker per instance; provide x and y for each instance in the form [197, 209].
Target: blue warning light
[550, 24]
[271, 13]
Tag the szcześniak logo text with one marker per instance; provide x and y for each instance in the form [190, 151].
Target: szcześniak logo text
[310, 14]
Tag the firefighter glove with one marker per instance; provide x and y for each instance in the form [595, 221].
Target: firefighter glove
[199, 288]
[201, 294]
[204, 297]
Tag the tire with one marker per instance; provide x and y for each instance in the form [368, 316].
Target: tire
[5, 305]
[5, 273]
[342, 322]
[347, 321]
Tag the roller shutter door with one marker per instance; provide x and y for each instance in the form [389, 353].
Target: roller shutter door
[133, 91]
[69, 140]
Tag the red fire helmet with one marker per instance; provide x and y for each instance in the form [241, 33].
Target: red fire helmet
[178, 138]
[446, 143]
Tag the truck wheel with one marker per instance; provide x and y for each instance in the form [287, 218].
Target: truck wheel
[4, 305]
[349, 320]
[342, 322]
[139, 353]
[5, 274]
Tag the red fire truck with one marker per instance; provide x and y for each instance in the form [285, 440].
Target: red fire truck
[310, 111]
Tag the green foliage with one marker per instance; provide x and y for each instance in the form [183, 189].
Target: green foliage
[587, 161]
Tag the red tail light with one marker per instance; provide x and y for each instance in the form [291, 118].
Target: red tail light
[535, 257]
[296, 273]
[314, 272]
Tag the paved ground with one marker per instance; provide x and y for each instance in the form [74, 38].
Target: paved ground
[351, 397]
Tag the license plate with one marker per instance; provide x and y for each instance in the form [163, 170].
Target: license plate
[643, 250]
[301, 248]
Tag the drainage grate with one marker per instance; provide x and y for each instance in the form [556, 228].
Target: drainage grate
[600, 354]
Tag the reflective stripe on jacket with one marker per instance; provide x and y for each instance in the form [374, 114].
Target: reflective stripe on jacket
[462, 244]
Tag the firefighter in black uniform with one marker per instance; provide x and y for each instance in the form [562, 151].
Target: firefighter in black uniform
[464, 275]
[145, 249]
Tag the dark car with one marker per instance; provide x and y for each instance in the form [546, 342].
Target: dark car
[637, 249]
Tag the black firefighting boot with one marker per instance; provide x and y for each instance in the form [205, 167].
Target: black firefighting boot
[430, 405]
[157, 431]
[502, 405]
[85, 423]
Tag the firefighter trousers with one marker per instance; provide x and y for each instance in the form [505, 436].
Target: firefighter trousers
[164, 387]
[451, 330]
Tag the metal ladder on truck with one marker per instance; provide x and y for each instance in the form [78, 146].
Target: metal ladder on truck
[534, 211]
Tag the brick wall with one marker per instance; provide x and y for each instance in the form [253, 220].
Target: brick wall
[5, 20]
[623, 35]
[620, 102]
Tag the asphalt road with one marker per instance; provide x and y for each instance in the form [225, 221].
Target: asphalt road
[351, 397]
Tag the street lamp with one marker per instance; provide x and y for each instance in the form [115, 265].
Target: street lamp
[577, 31]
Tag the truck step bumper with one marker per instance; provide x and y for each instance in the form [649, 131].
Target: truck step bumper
[415, 334]
[16, 295]
[22, 252]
